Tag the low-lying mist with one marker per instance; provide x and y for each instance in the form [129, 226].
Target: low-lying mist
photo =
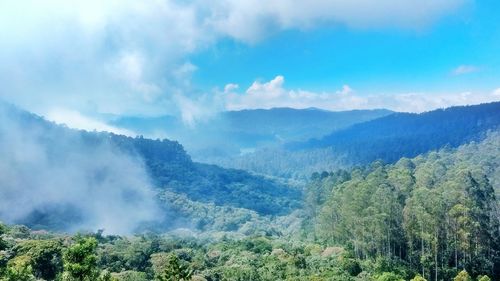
[58, 178]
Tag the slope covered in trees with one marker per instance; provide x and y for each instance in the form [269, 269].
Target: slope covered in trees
[56, 172]
[407, 134]
[437, 213]
[246, 130]
[387, 138]
[171, 168]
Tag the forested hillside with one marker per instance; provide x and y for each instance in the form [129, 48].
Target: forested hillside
[172, 169]
[436, 213]
[432, 217]
[121, 172]
[247, 130]
[387, 138]
[408, 135]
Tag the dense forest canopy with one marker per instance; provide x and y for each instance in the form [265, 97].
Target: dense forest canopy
[124, 172]
[436, 212]
[246, 130]
[434, 216]
[387, 138]
[249, 140]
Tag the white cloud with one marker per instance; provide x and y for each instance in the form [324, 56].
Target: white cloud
[273, 94]
[345, 90]
[270, 90]
[465, 69]
[230, 88]
[76, 120]
[250, 20]
[132, 57]
[120, 57]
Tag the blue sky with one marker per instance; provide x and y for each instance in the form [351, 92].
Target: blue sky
[77, 61]
[375, 61]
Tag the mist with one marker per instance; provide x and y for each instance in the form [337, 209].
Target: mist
[58, 178]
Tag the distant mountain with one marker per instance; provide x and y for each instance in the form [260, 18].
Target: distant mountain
[73, 173]
[294, 124]
[236, 132]
[406, 135]
[387, 138]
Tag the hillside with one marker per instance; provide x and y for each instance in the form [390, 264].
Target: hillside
[387, 138]
[408, 134]
[58, 171]
[442, 204]
[247, 130]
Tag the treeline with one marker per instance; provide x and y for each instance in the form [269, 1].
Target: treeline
[437, 213]
[387, 138]
[171, 169]
[27, 255]
[181, 212]
[408, 135]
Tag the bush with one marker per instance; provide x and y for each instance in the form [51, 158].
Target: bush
[462, 276]
[351, 266]
[483, 278]
[418, 277]
[389, 276]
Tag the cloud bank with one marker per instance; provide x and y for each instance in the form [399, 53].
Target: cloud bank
[55, 177]
[133, 57]
[273, 94]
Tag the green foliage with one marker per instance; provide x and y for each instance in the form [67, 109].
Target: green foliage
[45, 257]
[174, 270]
[19, 269]
[80, 260]
[421, 211]
[130, 276]
[418, 277]
[389, 138]
[351, 266]
[483, 278]
[389, 276]
[462, 276]
[3, 229]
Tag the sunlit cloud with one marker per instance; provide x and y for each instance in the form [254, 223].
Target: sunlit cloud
[134, 57]
[273, 94]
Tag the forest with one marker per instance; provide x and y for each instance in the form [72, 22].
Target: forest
[406, 134]
[249, 140]
[434, 216]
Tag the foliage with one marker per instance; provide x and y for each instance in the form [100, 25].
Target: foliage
[387, 138]
[483, 278]
[45, 257]
[174, 270]
[80, 260]
[19, 269]
[434, 213]
[462, 276]
[418, 277]
[389, 276]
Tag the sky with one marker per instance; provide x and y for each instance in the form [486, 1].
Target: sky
[75, 61]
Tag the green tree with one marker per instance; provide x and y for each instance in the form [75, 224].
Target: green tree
[3, 229]
[462, 276]
[389, 276]
[80, 260]
[174, 270]
[45, 257]
[418, 277]
[19, 269]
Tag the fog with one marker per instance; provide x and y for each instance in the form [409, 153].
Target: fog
[56, 177]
